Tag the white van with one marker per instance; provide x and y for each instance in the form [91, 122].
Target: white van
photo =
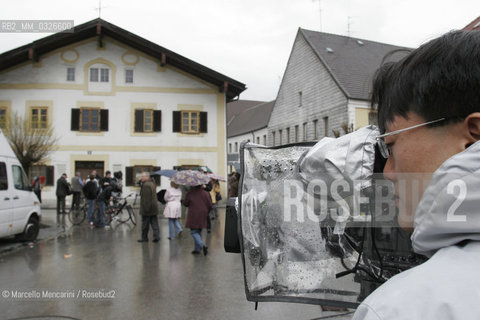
[19, 207]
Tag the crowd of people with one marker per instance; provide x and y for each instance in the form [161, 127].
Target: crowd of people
[201, 202]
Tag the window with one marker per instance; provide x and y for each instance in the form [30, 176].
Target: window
[191, 122]
[20, 181]
[90, 120]
[43, 171]
[39, 118]
[279, 137]
[296, 133]
[258, 140]
[325, 123]
[148, 120]
[236, 146]
[315, 129]
[229, 148]
[264, 139]
[133, 174]
[128, 76]
[288, 135]
[3, 117]
[93, 74]
[70, 74]
[273, 138]
[300, 98]
[304, 135]
[103, 76]
[3, 176]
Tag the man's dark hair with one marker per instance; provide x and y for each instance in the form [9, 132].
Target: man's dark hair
[440, 79]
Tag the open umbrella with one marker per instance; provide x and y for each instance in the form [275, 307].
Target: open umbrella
[190, 178]
[216, 177]
[204, 169]
[166, 173]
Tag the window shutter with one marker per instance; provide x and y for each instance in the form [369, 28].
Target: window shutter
[203, 122]
[177, 121]
[139, 120]
[50, 176]
[157, 176]
[157, 121]
[129, 177]
[104, 120]
[75, 121]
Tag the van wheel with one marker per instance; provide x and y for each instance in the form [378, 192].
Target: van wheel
[31, 230]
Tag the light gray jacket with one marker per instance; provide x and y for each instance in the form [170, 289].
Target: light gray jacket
[447, 229]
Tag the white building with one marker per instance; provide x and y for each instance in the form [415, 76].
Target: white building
[117, 102]
[248, 125]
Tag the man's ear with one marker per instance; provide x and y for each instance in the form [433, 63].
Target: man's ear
[473, 125]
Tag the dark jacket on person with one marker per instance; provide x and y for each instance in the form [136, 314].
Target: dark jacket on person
[199, 204]
[105, 194]
[233, 186]
[90, 190]
[62, 187]
[37, 189]
[148, 199]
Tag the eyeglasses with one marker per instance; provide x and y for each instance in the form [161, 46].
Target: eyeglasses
[385, 149]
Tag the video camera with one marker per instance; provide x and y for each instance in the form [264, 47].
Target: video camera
[317, 223]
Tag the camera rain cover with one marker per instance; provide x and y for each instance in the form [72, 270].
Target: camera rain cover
[296, 204]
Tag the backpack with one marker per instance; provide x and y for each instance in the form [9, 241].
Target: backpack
[161, 196]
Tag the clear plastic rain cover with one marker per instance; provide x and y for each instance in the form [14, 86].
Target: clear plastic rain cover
[293, 227]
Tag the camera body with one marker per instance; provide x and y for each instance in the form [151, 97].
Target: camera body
[317, 223]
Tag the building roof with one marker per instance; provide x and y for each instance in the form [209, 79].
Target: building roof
[99, 28]
[352, 62]
[236, 107]
[251, 119]
[474, 25]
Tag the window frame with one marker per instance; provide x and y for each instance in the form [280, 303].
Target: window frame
[189, 130]
[4, 118]
[94, 76]
[99, 121]
[70, 74]
[145, 111]
[37, 123]
[43, 171]
[104, 75]
[128, 77]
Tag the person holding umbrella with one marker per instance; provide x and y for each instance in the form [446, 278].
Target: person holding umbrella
[198, 202]
[173, 209]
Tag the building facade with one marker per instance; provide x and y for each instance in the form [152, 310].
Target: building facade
[250, 125]
[117, 102]
[325, 88]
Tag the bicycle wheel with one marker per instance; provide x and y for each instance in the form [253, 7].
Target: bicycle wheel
[76, 216]
[122, 216]
[132, 214]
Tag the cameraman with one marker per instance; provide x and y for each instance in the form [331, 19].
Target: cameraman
[429, 108]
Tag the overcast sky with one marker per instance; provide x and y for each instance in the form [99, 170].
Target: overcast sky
[250, 40]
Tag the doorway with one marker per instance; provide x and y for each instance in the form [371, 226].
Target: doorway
[85, 167]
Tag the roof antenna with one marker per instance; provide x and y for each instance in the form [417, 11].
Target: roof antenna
[99, 9]
[320, 8]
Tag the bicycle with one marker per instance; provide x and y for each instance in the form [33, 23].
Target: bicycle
[121, 212]
[78, 214]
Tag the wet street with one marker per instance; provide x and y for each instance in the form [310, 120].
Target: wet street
[106, 274]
